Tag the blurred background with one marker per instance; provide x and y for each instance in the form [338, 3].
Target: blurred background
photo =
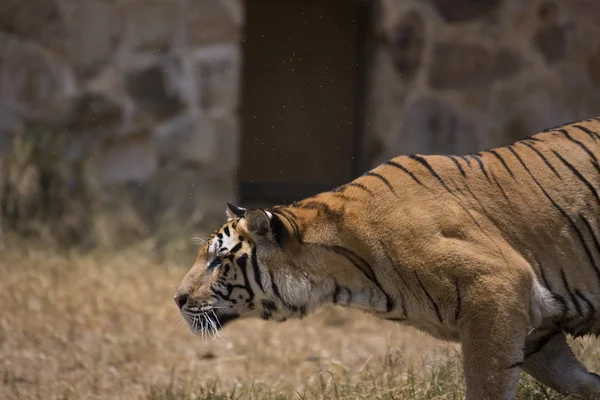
[129, 123]
[174, 107]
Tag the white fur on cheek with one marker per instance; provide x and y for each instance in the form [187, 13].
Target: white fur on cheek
[223, 245]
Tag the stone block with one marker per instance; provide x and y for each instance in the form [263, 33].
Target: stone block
[34, 83]
[213, 21]
[548, 12]
[152, 25]
[93, 111]
[432, 125]
[94, 28]
[551, 42]
[457, 65]
[526, 107]
[219, 77]
[151, 92]
[197, 194]
[187, 140]
[406, 44]
[36, 20]
[128, 159]
[227, 133]
[463, 10]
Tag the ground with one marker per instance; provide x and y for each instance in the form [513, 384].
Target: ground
[103, 325]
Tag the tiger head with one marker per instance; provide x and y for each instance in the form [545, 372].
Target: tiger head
[247, 268]
[277, 264]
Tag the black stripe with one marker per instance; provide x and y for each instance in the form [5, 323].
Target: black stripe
[501, 188]
[336, 292]
[591, 308]
[580, 144]
[277, 293]
[382, 179]
[579, 176]
[268, 308]
[544, 159]
[235, 248]
[226, 230]
[404, 312]
[563, 212]
[350, 295]
[403, 169]
[590, 319]
[256, 269]
[343, 197]
[531, 138]
[588, 132]
[269, 305]
[433, 303]
[242, 262]
[215, 263]
[320, 207]
[501, 159]
[363, 266]
[284, 213]
[360, 186]
[515, 365]
[399, 275]
[592, 232]
[555, 128]
[424, 162]
[571, 295]
[460, 168]
[458, 301]
[563, 303]
[339, 193]
[280, 232]
[466, 158]
[539, 345]
[275, 288]
[477, 158]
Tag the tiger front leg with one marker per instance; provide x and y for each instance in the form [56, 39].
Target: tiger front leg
[493, 329]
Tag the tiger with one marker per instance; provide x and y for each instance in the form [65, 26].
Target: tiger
[497, 250]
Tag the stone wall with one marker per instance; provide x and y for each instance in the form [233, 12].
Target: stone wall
[146, 90]
[462, 75]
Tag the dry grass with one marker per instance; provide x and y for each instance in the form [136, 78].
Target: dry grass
[104, 326]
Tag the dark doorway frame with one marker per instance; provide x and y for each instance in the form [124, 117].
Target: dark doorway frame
[285, 193]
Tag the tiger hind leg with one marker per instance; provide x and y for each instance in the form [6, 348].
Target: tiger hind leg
[550, 360]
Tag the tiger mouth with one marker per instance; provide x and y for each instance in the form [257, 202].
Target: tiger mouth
[208, 322]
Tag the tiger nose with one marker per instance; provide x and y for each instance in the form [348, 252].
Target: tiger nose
[181, 299]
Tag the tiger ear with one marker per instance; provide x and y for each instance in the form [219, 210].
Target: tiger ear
[234, 212]
[263, 223]
[259, 221]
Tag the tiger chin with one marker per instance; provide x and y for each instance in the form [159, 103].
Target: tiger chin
[498, 250]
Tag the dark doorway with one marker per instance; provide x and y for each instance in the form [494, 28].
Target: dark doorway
[303, 84]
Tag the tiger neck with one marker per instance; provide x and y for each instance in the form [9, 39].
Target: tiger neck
[349, 278]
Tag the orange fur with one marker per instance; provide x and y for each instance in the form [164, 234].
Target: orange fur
[499, 250]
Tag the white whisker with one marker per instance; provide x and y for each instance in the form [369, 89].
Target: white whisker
[216, 330]
[198, 240]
